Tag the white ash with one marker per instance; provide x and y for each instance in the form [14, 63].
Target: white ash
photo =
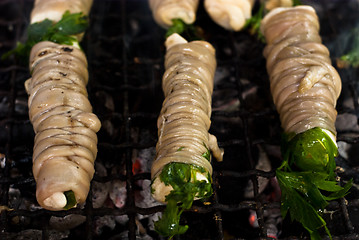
[264, 165]
[343, 148]
[103, 221]
[144, 197]
[2, 160]
[118, 193]
[122, 219]
[100, 191]
[15, 198]
[272, 221]
[68, 222]
[145, 157]
[347, 121]
[21, 106]
[147, 201]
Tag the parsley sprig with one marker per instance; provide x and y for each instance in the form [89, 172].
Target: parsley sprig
[188, 31]
[307, 179]
[351, 58]
[207, 155]
[182, 177]
[62, 32]
[253, 24]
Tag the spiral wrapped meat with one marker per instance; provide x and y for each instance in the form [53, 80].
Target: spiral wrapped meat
[304, 84]
[165, 10]
[185, 115]
[271, 4]
[230, 14]
[65, 145]
[53, 9]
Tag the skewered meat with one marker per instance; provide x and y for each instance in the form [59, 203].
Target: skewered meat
[271, 4]
[304, 84]
[65, 145]
[230, 14]
[53, 9]
[164, 11]
[185, 116]
[305, 88]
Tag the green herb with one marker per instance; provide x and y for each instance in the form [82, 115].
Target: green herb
[310, 150]
[61, 32]
[351, 58]
[207, 154]
[307, 178]
[180, 149]
[182, 177]
[297, 2]
[188, 31]
[254, 23]
[71, 200]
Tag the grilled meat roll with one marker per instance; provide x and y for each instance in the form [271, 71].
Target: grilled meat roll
[164, 11]
[304, 84]
[53, 9]
[181, 171]
[230, 14]
[271, 4]
[185, 116]
[305, 88]
[65, 145]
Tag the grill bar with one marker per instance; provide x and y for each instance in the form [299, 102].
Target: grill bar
[126, 67]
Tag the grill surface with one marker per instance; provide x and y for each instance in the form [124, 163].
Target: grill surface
[125, 53]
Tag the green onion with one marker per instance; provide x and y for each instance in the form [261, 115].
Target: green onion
[71, 200]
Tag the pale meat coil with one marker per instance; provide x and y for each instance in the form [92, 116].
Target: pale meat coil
[53, 9]
[164, 11]
[184, 119]
[65, 145]
[304, 84]
[230, 14]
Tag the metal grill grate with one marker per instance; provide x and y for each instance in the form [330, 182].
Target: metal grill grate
[125, 53]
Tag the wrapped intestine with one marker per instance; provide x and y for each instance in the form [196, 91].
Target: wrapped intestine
[184, 120]
[305, 88]
[304, 84]
[65, 145]
[164, 11]
[271, 4]
[53, 9]
[230, 14]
